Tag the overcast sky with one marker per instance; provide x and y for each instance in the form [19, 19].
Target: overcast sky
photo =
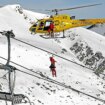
[41, 5]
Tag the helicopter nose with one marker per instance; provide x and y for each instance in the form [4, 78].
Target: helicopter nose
[33, 30]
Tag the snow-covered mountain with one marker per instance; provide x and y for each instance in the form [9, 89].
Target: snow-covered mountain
[81, 45]
[99, 28]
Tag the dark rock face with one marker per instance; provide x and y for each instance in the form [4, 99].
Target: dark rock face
[85, 54]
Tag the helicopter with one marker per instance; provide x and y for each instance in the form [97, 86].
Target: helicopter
[62, 22]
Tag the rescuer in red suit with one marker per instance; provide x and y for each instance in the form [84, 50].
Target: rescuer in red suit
[52, 66]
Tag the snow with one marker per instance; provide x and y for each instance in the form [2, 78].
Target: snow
[39, 91]
[99, 28]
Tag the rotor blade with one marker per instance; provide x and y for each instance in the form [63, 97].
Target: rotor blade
[36, 9]
[57, 10]
[79, 7]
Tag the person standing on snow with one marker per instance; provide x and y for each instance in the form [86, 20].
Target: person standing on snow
[52, 66]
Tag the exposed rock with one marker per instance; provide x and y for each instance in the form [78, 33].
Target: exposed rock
[84, 53]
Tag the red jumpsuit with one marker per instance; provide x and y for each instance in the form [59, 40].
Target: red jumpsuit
[51, 27]
[52, 67]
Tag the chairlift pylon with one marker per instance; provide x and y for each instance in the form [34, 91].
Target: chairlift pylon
[10, 96]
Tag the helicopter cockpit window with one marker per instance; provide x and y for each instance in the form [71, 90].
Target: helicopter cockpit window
[36, 24]
[41, 24]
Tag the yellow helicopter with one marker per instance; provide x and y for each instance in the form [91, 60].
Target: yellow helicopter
[62, 22]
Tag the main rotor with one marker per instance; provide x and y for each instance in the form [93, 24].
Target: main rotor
[72, 8]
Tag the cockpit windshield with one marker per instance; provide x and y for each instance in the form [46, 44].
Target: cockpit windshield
[36, 24]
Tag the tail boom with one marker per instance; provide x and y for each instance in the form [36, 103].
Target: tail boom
[86, 22]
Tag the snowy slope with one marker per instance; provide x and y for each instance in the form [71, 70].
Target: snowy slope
[100, 28]
[39, 91]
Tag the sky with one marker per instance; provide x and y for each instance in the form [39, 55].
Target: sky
[42, 5]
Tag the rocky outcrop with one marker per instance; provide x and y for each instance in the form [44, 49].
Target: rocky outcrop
[91, 59]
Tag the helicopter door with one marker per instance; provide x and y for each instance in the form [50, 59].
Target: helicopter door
[47, 24]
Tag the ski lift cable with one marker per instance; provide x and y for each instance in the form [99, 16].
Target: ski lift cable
[37, 73]
[65, 85]
[62, 85]
[53, 54]
[48, 52]
[51, 80]
[31, 70]
[15, 63]
[41, 75]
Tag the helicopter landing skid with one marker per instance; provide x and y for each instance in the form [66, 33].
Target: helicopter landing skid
[56, 35]
[48, 37]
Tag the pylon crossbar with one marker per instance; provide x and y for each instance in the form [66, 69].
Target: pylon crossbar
[7, 67]
[8, 33]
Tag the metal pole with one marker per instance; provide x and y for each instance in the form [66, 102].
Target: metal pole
[63, 34]
[9, 34]
[9, 49]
